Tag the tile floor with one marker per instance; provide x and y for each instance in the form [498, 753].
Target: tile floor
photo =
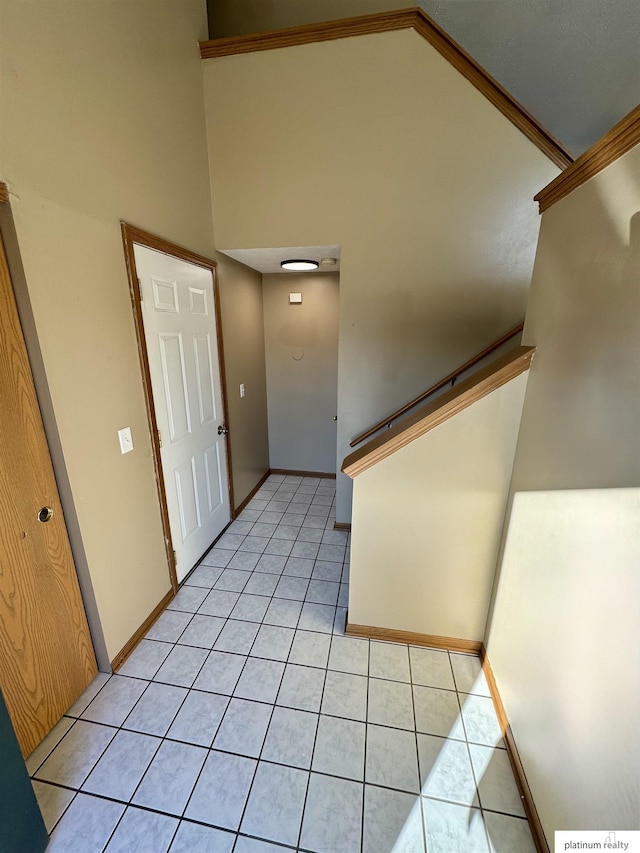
[246, 721]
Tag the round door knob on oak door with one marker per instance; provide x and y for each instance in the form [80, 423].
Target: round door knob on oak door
[223, 430]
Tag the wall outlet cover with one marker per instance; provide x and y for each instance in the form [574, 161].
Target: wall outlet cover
[126, 440]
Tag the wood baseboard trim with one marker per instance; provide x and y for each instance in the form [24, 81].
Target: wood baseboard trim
[450, 644]
[324, 475]
[342, 525]
[622, 137]
[251, 494]
[399, 19]
[4, 193]
[531, 812]
[130, 645]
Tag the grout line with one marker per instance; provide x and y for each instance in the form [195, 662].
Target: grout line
[150, 681]
[220, 828]
[334, 632]
[315, 740]
[366, 731]
[415, 721]
[273, 705]
[54, 747]
[175, 832]
[113, 831]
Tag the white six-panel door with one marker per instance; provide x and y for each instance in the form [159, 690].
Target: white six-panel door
[180, 328]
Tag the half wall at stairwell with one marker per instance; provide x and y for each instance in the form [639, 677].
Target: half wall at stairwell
[427, 522]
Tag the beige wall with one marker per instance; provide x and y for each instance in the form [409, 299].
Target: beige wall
[102, 120]
[564, 638]
[396, 157]
[565, 649]
[243, 334]
[427, 523]
[302, 370]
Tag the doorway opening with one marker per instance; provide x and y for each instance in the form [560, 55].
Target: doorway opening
[300, 313]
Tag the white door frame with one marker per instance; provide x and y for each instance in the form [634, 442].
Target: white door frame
[131, 235]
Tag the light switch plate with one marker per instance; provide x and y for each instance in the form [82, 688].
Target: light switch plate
[242, 390]
[126, 440]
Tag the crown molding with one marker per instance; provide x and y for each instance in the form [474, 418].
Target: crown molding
[380, 22]
[401, 19]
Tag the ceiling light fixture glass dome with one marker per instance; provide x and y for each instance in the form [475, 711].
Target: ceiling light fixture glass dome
[299, 265]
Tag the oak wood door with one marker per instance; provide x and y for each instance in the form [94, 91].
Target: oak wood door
[178, 313]
[46, 654]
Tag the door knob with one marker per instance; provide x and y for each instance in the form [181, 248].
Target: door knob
[45, 514]
[223, 430]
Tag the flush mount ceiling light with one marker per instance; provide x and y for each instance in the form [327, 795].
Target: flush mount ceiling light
[299, 265]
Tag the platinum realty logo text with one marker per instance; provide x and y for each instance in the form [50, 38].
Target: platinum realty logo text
[627, 840]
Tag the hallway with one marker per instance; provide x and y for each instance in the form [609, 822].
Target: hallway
[247, 722]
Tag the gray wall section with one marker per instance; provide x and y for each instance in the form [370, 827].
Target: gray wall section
[301, 344]
[243, 338]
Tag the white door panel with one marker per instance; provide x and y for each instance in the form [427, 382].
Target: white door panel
[174, 380]
[182, 348]
[198, 301]
[187, 494]
[204, 376]
[165, 295]
[214, 478]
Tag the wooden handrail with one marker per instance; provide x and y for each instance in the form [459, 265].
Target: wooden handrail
[469, 391]
[440, 384]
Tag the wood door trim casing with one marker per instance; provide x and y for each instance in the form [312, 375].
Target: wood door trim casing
[411, 18]
[622, 137]
[4, 193]
[132, 235]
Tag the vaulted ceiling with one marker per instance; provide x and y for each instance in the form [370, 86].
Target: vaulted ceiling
[573, 64]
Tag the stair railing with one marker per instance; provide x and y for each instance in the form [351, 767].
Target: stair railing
[450, 377]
